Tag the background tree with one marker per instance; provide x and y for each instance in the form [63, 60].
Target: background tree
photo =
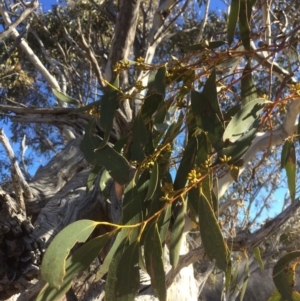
[145, 98]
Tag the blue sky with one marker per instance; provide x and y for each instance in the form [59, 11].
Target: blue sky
[48, 3]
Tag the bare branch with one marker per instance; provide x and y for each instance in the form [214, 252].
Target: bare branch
[29, 52]
[11, 27]
[19, 182]
[91, 55]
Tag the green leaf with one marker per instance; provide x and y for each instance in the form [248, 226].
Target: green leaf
[163, 224]
[156, 82]
[104, 179]
[205, 45]
[256, 252]
[232, 19]
[156, 93]
[284, 276]
[134, 197]
[290, 168]
[154, 263]
[150, 105]
[176, 235]
[240, 146]
[140, 138]
[92, 177]
[193, 203]
[109, 103]
[173, 130]
[117, 166]
[153, 181]
[211, 235]
[243, 119]
[65, 98]
[215, 44]
[285, 152]
[244, 21]
[248, 86]
[276, 296]
[53, 265]
[245, 280]
[186, 164]
[205, 105]
[121, 237]
[123, 279]
[76, 263]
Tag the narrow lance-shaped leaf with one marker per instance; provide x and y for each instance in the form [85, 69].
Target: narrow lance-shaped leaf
[232, 19]
[108, 108]
[248, 87]
[290, 168]
[205, 105]
[285, 152]
[92, 177]
[153, 181]
[156, 93]
[154, 262]
[140, 138]
[206, 44]
[121, 237]
[76, 263]
[53, 265]
[123, 279]
[244, 21]
[186, 164]
[211, 235]
[257, 255]
[64, 97]
[176, 235]
[245, 280]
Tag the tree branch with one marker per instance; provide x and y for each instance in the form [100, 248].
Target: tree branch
[29, 52]
[11, 27]
[19, 182]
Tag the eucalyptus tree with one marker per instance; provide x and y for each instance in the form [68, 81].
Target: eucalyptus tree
[147, 117]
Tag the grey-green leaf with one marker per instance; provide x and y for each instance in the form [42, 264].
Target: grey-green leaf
[64, 97]
[243, 119]
[108, 108]
[117, 166]
[232, 19]
[211, 235]
[248, 86]
[123, 279]
[176, 235]
[154, 263]
[76, 263]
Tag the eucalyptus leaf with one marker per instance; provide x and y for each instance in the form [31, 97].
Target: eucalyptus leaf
[232, 19]
[284, 276]
[243, 119]
[53, 265]
[64, 97]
